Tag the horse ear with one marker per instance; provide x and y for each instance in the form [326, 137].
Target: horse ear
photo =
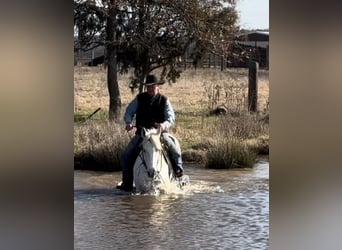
[143, 132]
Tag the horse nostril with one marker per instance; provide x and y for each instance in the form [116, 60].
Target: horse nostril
[150, 173]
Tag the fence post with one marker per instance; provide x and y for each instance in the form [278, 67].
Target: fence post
[267, 56]
[209, 60]
[185, 60]
[92, 57]
[253, 86]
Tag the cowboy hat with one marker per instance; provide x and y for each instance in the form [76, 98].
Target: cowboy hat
[151, 80]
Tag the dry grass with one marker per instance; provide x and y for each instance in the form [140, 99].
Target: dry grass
[192, 96]
[99, 144]
[189, 95]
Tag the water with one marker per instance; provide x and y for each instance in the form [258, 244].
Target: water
[222, 209]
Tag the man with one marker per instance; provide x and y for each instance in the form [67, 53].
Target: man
[150, 109]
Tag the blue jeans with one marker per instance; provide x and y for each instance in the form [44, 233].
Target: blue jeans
[128, 159]
[133, 149]
[174, 151]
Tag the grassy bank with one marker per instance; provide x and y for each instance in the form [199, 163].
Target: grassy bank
[231, 140]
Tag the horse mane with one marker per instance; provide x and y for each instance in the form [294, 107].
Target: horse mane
[154, 136]
[155, 139]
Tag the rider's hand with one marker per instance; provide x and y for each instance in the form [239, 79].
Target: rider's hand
[129, 126]
[160, 125]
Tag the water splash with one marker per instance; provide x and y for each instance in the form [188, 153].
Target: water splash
[184, 187]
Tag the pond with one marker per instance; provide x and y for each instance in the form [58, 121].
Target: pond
[221, 209]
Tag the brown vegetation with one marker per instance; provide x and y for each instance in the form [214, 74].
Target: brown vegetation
[193, 96]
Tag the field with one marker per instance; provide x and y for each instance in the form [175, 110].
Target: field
[188, 94]
[195, 95]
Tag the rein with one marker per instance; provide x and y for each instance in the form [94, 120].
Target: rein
[143, 162]
[156, 172]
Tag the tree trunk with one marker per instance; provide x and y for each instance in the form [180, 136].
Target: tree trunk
[112, 77]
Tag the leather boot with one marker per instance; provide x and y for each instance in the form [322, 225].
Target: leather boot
[127, 181]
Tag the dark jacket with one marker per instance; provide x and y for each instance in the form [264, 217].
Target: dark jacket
[150, 110]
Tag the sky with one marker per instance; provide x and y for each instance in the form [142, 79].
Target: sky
[254, 14]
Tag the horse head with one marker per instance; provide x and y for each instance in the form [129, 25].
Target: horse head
[151, 149]
[151, 169]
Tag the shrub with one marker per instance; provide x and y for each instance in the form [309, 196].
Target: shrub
[230, 153]
[99, 145]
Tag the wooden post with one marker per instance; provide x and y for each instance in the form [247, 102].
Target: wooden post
[77, 59]
[209, 60]
[92, 57]
[267, 56]
[253, 86]
[185, 60]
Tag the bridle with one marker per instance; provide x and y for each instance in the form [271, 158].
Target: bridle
[154, 174]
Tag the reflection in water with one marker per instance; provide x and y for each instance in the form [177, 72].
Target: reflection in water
[223, 209]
